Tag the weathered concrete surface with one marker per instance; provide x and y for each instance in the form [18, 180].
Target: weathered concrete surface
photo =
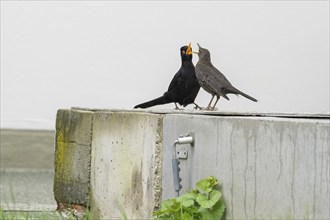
[73, 156]
[126, 165]
[270, 168]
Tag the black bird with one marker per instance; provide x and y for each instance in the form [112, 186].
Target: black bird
[183, 88]
[212, 80]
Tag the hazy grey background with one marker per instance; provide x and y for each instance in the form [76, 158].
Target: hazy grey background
[109, 54]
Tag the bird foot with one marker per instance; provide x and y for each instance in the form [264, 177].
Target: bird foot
[209, 108]
[176, 107]
[197, 107]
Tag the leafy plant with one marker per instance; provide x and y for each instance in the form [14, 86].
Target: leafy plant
[203, 202]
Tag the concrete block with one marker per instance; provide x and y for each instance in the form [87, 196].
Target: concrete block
[126, 164]
[73, 156]
[270, 168]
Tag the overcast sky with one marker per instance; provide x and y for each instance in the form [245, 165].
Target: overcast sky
[114, 54]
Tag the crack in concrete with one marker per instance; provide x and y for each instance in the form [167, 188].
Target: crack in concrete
[280, 156]
[73, 142]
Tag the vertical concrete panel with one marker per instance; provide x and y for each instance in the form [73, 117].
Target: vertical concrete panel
[126, 165]
[73, 156]
[176, 125]
[270, 168]
[322, 174]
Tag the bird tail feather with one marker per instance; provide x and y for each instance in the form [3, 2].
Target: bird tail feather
[158, 101]
[236, 91]
[247, 96]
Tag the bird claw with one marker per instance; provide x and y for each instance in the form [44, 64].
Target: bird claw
[177, 108]
[209, 108]
[197, 107]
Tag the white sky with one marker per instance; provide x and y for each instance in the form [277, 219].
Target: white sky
[113, 54]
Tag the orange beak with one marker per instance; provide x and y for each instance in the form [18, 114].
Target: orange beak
[189, 50]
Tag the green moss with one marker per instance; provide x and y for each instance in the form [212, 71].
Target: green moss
[62, 153]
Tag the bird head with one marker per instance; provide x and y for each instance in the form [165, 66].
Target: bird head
[203, 53]
[186, 52]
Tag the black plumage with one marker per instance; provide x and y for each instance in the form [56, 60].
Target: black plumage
[184, 86]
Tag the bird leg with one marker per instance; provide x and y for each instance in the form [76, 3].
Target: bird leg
[209, 105]
[213, 108]
[197, 106]
[176, 107]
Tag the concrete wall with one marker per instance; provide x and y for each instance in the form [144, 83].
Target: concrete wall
[270, 167]
[126, 165]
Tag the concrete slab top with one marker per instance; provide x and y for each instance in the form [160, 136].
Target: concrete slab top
[303, 115]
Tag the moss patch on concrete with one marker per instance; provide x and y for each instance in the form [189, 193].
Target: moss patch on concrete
[73, 156]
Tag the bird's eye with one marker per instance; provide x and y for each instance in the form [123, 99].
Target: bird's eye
[183, 52]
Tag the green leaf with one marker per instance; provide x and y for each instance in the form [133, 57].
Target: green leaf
[187, 199]
[203, 202]
[216, 212]
[172, 205]
[186, 216]
[168, 207]
[188, 203]
[215, 195]
[191, 209]
[207, 184]
[206, 202]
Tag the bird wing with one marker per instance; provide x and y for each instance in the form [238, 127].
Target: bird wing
[220, 84]
[176, 81]
[184, 85]
[214, 79]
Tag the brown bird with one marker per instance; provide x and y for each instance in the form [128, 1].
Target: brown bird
[212, 80]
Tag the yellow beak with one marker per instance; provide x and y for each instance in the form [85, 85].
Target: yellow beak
[189, 50]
